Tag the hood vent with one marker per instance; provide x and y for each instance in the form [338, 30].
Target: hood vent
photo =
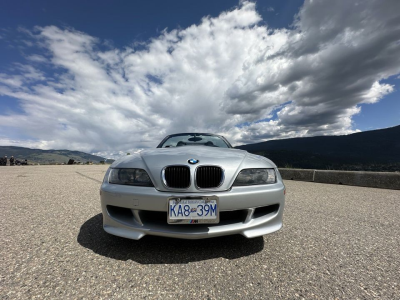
[177, 177]
[208, 177]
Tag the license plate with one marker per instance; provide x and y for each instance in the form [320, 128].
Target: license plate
[193, 211]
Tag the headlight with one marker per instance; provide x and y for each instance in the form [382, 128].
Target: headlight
[137, 177]
[255, 177]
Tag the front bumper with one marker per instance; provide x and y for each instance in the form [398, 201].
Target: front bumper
[133, 212]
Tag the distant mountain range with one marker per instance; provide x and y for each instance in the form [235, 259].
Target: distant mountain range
[375, 150]
[48, 156]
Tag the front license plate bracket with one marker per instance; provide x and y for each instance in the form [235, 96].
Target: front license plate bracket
[193, 210]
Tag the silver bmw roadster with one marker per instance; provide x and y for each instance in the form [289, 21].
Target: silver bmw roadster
[193, 186]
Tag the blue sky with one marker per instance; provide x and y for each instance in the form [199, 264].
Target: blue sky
[259, 98]
[124, 22]
[385, 113]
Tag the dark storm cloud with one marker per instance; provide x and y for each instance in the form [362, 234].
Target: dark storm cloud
[333, 60]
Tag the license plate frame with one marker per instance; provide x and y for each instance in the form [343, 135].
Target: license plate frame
[196, 219]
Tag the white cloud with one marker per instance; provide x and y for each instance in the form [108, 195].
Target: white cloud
[226, 71]
[377, 92]
[37, 58]
[13, 80]
[25, 143]
[116, 154]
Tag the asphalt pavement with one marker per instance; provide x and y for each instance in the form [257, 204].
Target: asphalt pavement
[338, 242]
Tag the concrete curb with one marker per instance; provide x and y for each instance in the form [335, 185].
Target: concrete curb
[383, 180]
[297, 174]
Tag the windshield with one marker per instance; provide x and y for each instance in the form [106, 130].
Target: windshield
[194, 139]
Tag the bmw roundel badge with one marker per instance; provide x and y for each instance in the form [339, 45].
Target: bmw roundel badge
[193, 161]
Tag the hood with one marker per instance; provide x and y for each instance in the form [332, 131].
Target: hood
[229, 159]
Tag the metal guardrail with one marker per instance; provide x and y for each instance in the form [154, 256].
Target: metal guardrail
[383, 180]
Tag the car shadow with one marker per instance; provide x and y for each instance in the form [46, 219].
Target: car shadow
[160, 250]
